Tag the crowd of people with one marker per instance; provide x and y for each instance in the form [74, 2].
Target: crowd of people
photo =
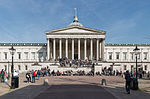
[110, 72]
[65, 62]
[105, 71]
[72, 73]
[31, 75]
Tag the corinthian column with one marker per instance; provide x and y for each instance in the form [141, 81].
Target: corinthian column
[48, 50]
[72, 49]
[60, 49]
[97, 50]
[84, 48]
[78, 48]
[102, 49]
[54, 49]
[91, 49]
[67, 48]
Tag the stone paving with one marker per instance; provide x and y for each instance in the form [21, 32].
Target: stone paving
[75, 91]
[115, 86]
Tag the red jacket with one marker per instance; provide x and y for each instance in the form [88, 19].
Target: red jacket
[5, 74]
[34, 74]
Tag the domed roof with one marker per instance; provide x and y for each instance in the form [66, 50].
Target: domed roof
[75, 24]
[75, 21]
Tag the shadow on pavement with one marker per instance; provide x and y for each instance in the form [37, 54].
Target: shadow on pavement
[8, 84]
[120, 93]
[28, 92]
[76, 91]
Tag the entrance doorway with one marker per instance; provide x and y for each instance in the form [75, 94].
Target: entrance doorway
[75, 56]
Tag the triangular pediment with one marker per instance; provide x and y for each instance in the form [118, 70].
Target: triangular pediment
[76, 29]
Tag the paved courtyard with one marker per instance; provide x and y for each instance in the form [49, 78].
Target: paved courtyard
[81, 87]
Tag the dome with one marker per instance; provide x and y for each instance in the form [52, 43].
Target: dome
[75, 22]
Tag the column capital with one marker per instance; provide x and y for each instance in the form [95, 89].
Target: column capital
[102, 39]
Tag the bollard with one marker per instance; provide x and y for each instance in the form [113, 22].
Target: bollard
[103, 82]
[45, 81]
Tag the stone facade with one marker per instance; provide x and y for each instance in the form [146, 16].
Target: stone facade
[120, 56]
[25, 56]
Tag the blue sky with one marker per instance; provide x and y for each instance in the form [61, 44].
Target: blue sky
[125, 21]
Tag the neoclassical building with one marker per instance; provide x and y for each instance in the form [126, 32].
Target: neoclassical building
[74, 42]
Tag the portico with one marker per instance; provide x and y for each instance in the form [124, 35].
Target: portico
[75, 42]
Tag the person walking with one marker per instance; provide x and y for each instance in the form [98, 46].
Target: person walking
[2, 76]
[28, 77]
[5, 76]
[128, 80]
[38, 74]
[33, 76]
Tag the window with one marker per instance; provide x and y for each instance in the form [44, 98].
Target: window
[110, 56]
[5, 67]
[26, 67]
[19, 67]
[117, 55]
[145, 67]
[132, 67]
[19, 55]
[139, 66]
[125, 56]
[26, 55]
[138, 56]
[33, 55]
[132, 56]
[5, 55]
[125, 67]
[45, 56]
[40, 55]
[145, 56]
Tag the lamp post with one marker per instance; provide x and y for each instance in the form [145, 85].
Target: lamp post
[12, 66]
[136, 52]
[8, 71]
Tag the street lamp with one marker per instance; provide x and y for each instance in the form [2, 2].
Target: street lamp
[136, 53]
[12, 66]
[8, 71]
